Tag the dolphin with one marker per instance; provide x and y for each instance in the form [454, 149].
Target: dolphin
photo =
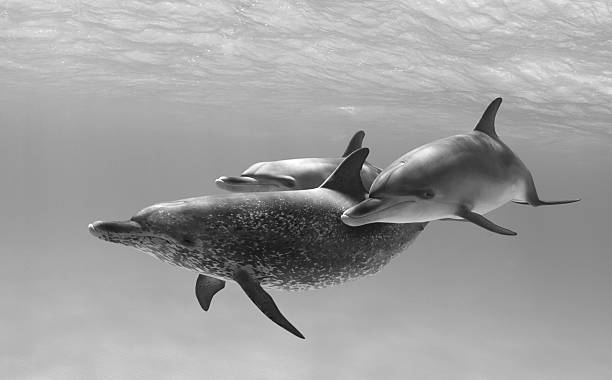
[460, 177]
[295, 174]
[290, 240]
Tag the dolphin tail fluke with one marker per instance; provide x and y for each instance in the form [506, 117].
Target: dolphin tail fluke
[355, 143]
[206, 287]
[531, 197]
[263, 301]
[483, 222]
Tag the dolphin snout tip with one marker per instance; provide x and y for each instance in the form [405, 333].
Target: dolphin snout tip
[240, 183]
[98, 228]
[241, 180]
[363, 212]
[220, 182]
[350, 221]
[236, 180]
[92, 228]
[227, 183]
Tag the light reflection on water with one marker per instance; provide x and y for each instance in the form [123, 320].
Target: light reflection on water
[550, 61]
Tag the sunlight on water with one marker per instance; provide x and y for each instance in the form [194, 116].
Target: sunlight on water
[550, 60]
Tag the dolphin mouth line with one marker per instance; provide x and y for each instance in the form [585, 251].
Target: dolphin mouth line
[117, 236]
[377, 211]
[122, 229]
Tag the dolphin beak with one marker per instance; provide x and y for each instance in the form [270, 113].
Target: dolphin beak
[236, 183]
[235, 180]
[99, 228]
[364, 212]
[248, 184]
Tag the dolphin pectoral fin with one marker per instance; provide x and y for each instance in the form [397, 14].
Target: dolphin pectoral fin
[483, 222]
[531, 196]
[263, 301]
[354, 144]
[206, 287]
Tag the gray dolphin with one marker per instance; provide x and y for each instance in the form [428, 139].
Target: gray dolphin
[292, 240]
[295, 174]
[459, 177]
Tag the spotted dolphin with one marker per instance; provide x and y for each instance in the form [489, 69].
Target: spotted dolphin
[460, 177]
[295, 174]
[291, 240]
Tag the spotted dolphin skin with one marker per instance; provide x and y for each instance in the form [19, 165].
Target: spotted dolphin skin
[459, 177]
[291, 240]
[295, 174]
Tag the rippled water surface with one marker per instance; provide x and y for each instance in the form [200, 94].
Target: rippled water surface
[548, 59]
[109, 106]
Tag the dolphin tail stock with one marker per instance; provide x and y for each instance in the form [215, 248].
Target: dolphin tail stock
[483, 222]
[206, 287]
[531, 197]
[355, 143]
[263, 301]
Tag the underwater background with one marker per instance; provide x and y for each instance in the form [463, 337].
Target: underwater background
[109, 106]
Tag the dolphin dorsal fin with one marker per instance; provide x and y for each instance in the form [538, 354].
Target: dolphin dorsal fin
[354, 144]
[487, 121]
[347, 176]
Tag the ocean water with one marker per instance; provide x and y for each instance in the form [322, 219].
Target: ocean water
[109, 106]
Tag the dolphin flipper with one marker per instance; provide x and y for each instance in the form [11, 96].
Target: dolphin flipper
[355, 143]
[263, 301]
[483, 222]
[531, 197]
[206, 287]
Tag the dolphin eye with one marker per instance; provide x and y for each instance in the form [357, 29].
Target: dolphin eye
[426, 194]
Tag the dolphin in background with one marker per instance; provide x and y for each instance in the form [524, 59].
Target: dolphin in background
[295, 174]
[460, 177]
